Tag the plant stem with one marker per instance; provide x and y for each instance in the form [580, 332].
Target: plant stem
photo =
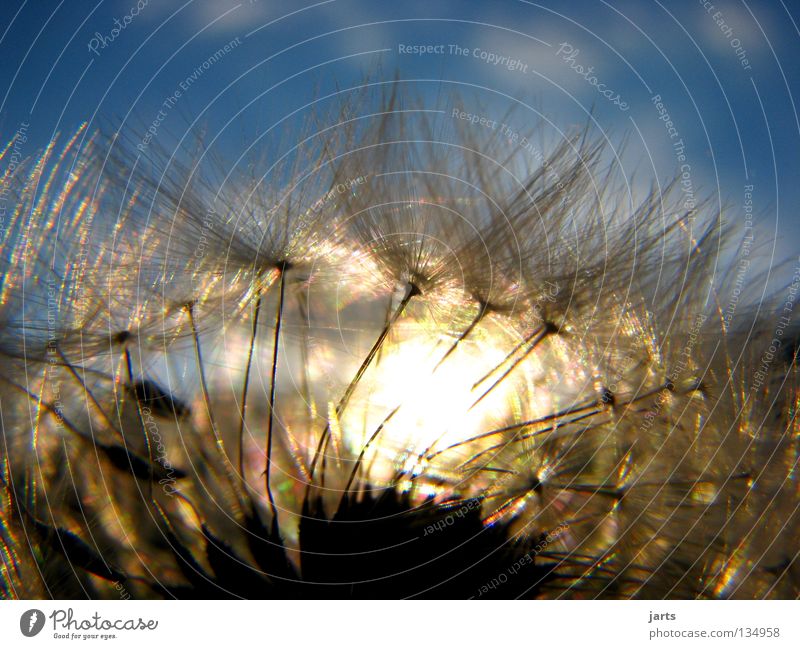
[278, 321]
[245, 387]
[464, 334]
[410, 293]
[89, 393]
[533, 341]
[145, 433]
[365, 447]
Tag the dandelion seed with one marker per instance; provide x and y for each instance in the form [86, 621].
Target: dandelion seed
[466, 368]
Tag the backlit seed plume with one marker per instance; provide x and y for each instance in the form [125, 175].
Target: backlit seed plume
[390, 357]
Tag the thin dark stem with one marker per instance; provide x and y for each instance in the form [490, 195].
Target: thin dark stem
[129, 364]
[412, 291]
[271, 422]
[145, 432]
[593, 407]
[203, 384]
[519, 438]
[48, 407]
[88, 392]
[386, 319]
[70, 426]
[539, 431]
[494, 469]
[464, 334]
[617, 492]
[534, 339]
[508, 356]
[306, 387]
[365, 447]
[230, 472]
[246, 385]
[323, 441]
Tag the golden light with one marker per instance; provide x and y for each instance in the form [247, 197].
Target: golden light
[422, 403]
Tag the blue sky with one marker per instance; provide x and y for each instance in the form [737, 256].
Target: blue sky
[726, 73]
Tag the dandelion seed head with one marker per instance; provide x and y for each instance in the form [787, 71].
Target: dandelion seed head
[383, 328]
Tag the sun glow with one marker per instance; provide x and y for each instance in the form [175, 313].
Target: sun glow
[422, 403]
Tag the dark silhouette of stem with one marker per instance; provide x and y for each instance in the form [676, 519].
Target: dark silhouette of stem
[365, 447]
[411, 292]
[203, 384]
[145, 432]
[246, 385]
[533, 341]
[270, 424]
[463, 335]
